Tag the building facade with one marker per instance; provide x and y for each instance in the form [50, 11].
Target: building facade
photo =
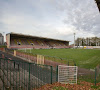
[1, 39]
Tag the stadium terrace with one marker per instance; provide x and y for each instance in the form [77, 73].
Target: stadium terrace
[17, 41]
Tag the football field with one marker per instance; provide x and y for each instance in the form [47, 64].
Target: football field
[85, 58]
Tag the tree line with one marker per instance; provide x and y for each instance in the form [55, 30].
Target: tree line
[89, 41]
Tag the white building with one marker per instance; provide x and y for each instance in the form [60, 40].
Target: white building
[1, 39]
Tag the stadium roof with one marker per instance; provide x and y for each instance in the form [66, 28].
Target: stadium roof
[30, 36]
[98, 4]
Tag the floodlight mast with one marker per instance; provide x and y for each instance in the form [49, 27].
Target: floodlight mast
[3, 37]
[74, 40]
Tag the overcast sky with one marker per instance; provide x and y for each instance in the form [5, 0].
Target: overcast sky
[57, 19]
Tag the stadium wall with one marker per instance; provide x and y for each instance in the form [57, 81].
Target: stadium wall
[8, 40]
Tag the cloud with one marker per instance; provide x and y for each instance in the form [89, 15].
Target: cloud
[57, 19]
[84, 16]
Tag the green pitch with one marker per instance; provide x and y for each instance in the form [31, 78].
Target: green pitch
[86, 58]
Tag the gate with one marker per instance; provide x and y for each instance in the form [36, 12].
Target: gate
[67, 74]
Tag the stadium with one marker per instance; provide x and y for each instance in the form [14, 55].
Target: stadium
[39, 63]
[17, 41]
[30, 62]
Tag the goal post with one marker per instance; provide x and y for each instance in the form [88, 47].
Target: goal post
[67, 74]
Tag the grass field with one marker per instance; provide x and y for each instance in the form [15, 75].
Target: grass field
[86, 58]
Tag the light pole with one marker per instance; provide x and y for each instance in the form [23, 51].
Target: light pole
[74, 40]
[3, 38]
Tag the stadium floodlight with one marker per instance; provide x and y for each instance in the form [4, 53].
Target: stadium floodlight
[74, 40]
[3, 39]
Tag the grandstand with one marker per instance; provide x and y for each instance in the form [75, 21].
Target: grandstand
[17, 41]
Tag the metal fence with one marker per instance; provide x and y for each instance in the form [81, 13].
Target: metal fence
[89, 75]
[16, 75]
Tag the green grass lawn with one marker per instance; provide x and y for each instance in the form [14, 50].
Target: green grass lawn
[86, 58]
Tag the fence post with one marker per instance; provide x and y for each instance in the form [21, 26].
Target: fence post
[74, 63]
[68, 62]
[29, 77]
[18, 67]
[7, 74]
[57, 74]
[95, 75]
[14, 64]
[51, 74]
[3, 74]
[0, 64]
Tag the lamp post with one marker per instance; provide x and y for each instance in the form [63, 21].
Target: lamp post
[74, 40]
[3, 38]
